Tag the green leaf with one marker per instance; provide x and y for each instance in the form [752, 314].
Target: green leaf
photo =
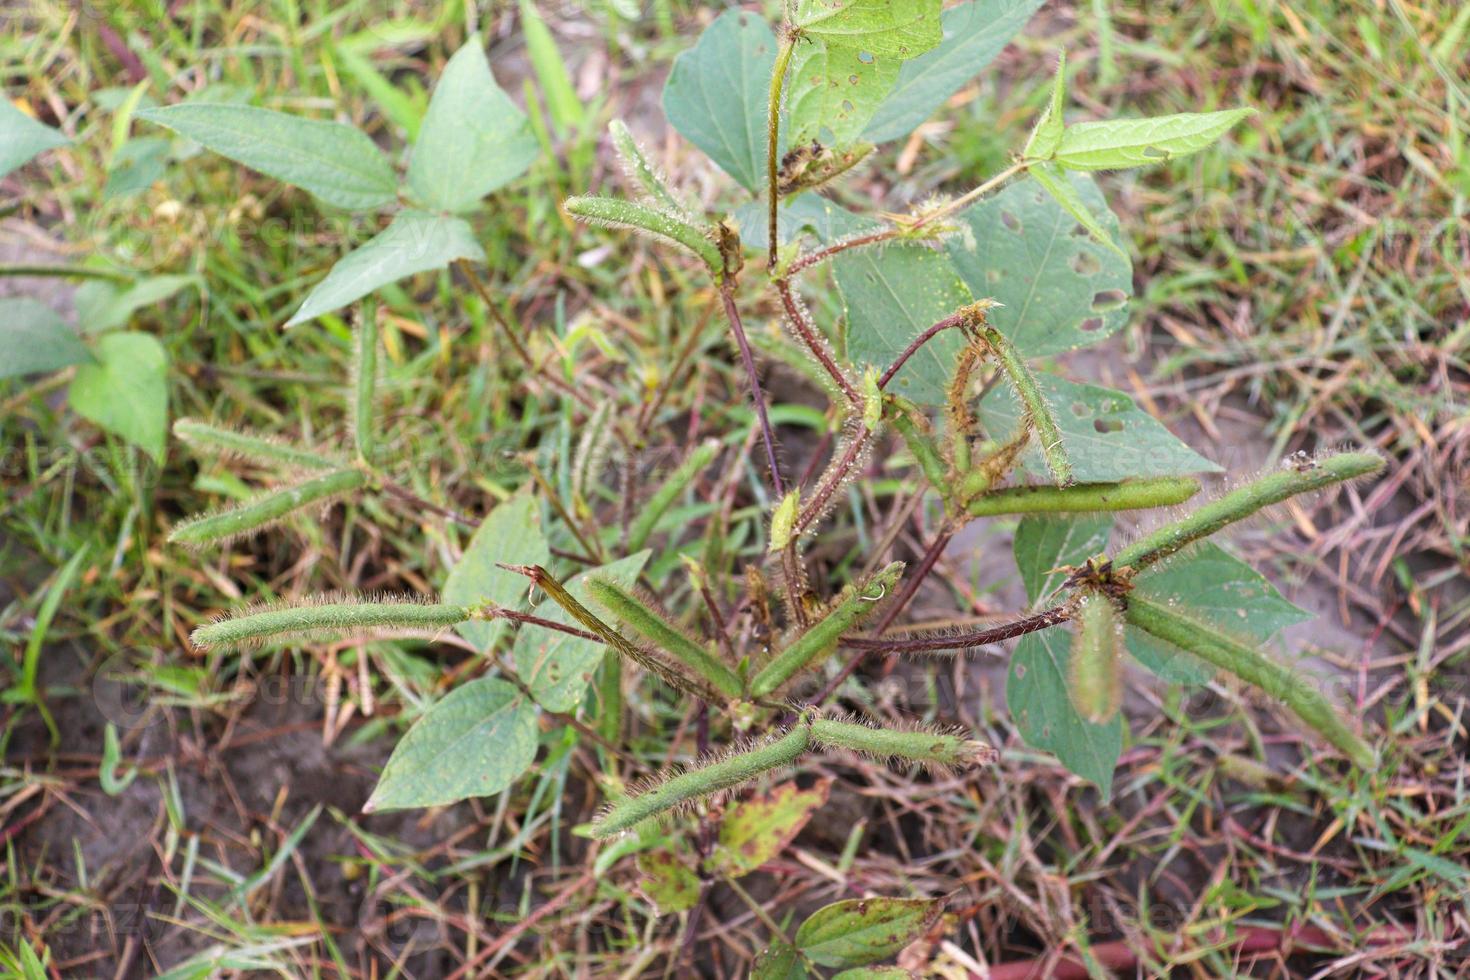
[859, 931]
[558, 667]
[136, 166]
[779, 961]
[1117, 143]
[511, 534]
[1043, 543]
[874, 973]
[896, 28]
[716, 94]
[23, 138]
[1059, 289]
[1041, 706]
[1055, 182]
[668, 881]
[1047, 135]
[754, 831]
[833, 91]
[474, 742]
[1107, 437]
[126, 391]
[892, 296]
[103, 306]
[415, 241]
[35, 339]
[974, 33]
[473, 139]
[1211, 586]
[813, 213]
[333, 162]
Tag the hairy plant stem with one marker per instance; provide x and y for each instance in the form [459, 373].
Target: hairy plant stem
[815, 345]
[40, 269]
[969, 197]
[835, 475]
[956, 319]
[773, 133]
[727, 298]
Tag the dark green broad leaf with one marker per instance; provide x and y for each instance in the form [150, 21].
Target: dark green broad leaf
[717, 94]
[893, 295]
[474, 742]
[126, 390]
[1044, 543]
[1211, 586]
[558, 667]
[473, 139]
[756, 830]
[23, 138]
[780, 961]
[860, 931]
[34, 339]
[974, 33]
[333, 162]
[826, 221]
[1040, 703]
[1107, 436]
[415, 241]
[1059, 287]
[511, 534]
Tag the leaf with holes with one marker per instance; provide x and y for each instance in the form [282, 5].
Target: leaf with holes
[1045, 543]
[1059, 288]
[716, 95]
[1107, 436]
[974, 33]
[754, 831]
[860, 931]
[474, 742]
[1113, 144]
[1040, 703]
[511, 534]
[557, 666]
[897, 28]
[833, 91]
[891, 297]
[1211, 586]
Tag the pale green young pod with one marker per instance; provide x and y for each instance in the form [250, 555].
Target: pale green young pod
[669, 491]
[928, 748]
[1085, 497]
[642, 171]
[713, 777]
[783, 520]
[268, 507]
[851, 607]
[1048, 434]
[920, 443]
[1292, 688]
[644, 621]
[1096, 682]
[249, 445]
[319, 618]
[1273, 488]
[872, 399]
[626, 214]
[365, 380]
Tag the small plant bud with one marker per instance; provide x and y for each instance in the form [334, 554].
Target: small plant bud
[1097, 659]
[872, 400]
[783, 520]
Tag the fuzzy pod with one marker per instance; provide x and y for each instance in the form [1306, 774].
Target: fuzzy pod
[663, 498]
[642, 172]
[704, 780]
[854, 605]
[927, 747]
[1293, 688]
[1244, 501]
[1085, 497]
[921, 444]
[1096, 682]
[638, 617]
[1048, 434]
[268, 507]
[660, 224]
[249, 445]
[327, 617]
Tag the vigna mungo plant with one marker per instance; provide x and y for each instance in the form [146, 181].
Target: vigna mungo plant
[951, 310]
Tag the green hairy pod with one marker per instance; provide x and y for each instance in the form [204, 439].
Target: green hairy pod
[1097, 659]
[1048, 435]
[648, 624]
[248, 445]
[663, 498]
[712, 777]
[267, 508]
[1241, 503]
[626, 214]
[1291, 687]
[854, 605]
[1084, 497]
[327, 618]
[642, 171]
[931, 748]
